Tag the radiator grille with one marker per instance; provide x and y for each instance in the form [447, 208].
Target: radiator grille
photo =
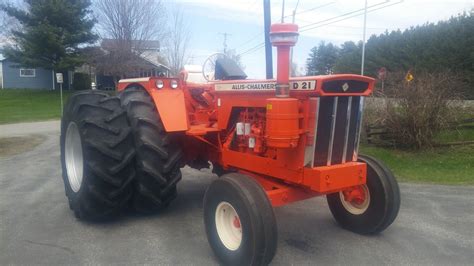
[337, 130]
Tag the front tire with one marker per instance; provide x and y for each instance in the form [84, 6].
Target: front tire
[369, 208]
[96, 155]
[239, 220]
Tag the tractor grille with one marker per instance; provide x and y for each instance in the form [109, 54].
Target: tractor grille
[337, 130]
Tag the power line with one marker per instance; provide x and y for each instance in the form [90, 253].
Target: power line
[251, 39]
[253, 49]
[343, 15]
[311, 9]
[346, 18]
[259, 46]
[304, 11]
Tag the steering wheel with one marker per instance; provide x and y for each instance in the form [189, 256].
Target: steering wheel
[209, 66]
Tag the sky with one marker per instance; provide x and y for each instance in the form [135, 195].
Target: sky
[318, 20]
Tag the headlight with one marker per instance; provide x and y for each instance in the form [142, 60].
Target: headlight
[160, 84]
[174, 84]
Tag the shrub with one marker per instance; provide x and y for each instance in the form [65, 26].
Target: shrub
[81, 81]
[414, 112]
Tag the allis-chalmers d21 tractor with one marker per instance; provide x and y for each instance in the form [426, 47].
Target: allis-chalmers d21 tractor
[272, 142]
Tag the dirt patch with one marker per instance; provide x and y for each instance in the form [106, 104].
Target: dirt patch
[15, 145]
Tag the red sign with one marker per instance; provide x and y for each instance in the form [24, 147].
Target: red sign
[382, 73]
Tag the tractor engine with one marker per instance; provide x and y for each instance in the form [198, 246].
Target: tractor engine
[250, 131]
[276, 126]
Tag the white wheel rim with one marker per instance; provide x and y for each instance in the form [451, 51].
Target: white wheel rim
[73, 157]
[228, 226]
[356, 208]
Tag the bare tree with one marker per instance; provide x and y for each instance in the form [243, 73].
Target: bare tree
[126, 28]
[178, 39]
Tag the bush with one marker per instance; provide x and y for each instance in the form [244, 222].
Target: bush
[414, 112]
[81, 81]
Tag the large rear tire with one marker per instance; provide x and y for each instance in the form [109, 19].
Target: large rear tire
[370, 208]
[158, 159]
[96, 155]
[239, 220]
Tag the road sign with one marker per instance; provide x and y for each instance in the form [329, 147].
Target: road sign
[382, 73]
[59, 78]
[409, 77]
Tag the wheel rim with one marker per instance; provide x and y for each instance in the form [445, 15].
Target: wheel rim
[228, 226]
[355, 200]
[73, 157]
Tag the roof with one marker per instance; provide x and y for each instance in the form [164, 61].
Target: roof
[153, 57]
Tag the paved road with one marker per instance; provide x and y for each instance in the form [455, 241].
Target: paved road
[22, 129]
[435, 225]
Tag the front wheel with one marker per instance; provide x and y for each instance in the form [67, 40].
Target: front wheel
[239, 220]
[368, 208]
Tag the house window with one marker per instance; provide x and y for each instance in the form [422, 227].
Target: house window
[27, 72]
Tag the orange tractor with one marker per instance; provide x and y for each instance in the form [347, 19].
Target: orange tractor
[272, 142]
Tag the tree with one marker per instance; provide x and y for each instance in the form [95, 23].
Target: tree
[3, 19]
[52, 33]
[178, 39]
[349, 58]
[322, 59]
[431, 47]
[128, 26]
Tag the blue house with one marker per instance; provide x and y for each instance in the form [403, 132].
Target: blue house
[13, 76]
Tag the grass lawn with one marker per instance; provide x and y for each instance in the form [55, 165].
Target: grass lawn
[441, 165]
[448, 165]
[463, 134]
[29, 105]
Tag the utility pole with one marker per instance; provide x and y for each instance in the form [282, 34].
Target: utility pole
[283, 12]
[268, 45]
[363, 40]
[291, 49]
[225, 34]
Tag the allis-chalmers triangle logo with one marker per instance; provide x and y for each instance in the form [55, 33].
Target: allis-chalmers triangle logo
[345, 87]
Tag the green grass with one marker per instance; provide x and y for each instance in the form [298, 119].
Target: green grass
[21, 105]
[447, 165]
[464, 134]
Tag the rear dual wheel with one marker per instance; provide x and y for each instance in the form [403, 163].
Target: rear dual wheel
[96, 155]
[369, 208]
[158, 158]
[239, 220]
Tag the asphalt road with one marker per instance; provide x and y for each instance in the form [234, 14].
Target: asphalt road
[435, 224]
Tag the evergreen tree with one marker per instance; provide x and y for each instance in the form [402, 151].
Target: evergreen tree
[431, 47]
[52, 33]
[322, 59]
[349, 58]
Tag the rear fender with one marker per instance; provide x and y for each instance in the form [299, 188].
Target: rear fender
[171, 107]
